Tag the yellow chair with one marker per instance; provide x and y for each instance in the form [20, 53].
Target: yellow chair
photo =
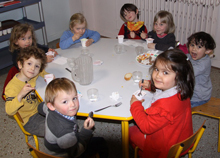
[210, 109]
[36, 153]
[19, 120]
[181, 147]
[192, 141]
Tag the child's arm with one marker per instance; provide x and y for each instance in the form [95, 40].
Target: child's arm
[14, 98]
[89, 123]
[145, 85]
[66, 40]
[122, 31]
[93, 35]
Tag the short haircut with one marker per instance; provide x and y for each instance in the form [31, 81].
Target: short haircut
[19, 31]
[58, 85]
[77, 18]
[128, 7]
[177, 61]
[167, 18]
[32, 51]
[202, 38]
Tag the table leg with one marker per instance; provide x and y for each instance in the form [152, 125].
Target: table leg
[125, 138]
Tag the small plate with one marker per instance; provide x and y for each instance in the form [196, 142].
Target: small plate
[147, 58]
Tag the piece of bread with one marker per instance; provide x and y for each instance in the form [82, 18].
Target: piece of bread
[128, 76]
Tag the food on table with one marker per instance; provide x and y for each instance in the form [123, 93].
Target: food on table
[128, 76]
[147, 58]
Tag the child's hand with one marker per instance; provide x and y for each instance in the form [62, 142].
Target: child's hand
[89, 123]
[143, 35]
[50, 58]
[76, 36]
[24, 91]
[53, 50]
[89, 42]
[145, 85]
[151, 45]
[132, 34]
[133, 99]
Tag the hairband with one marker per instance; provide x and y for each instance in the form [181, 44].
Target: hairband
[187, 59]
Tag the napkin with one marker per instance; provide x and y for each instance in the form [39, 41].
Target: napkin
[60, 60]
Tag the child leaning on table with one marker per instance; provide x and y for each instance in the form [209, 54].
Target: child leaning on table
[61, 131]
[163, 31]
[23, 36]
[31, 62]
[200, 45]
[169, 119]
[77, 30]
[132, 28]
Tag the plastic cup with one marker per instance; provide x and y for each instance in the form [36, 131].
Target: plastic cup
[150, 40]
[4, 32]
[9, 30]
[119, 49]
[139, 50]
[93, 94]
[83, 42]
[120, 38]
[0, 33]
[137, 76]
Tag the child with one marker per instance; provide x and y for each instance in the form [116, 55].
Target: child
[23, 36]
[200, 45]
[62, 136]
[169, 119]
[19, 91]
[78, 31]
[133, 28]
[163, 32]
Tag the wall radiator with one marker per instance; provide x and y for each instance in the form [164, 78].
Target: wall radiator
[190, 16]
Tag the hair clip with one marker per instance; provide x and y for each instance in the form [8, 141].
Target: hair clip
[187, 59]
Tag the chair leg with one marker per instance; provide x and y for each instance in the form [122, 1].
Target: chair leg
[136, 152]
[219, 136]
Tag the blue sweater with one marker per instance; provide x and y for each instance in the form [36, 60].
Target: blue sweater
[66, 39]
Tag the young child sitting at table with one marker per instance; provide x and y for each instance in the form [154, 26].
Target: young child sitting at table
[23, 36]
[169, 119]
[163, 32]
[77, 31]
[61, 135]
[200, 45]
[132, 28]
[20, 96]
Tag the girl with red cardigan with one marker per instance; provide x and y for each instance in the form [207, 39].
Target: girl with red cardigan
[169, 119]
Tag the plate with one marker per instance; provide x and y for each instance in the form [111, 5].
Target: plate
[147, 58]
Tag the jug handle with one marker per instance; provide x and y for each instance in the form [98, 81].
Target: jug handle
[74, 75]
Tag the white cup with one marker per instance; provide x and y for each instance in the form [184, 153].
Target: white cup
[83, 42]
[150, 40]
[4, 32]
[120, 38]
[0, 33]
[9, 30]
[93, 94]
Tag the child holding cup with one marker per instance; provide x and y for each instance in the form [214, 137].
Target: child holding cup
[162, 36]
[78, 33]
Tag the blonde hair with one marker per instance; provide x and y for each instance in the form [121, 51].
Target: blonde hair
[56, 86]
[167, 18]
[19, 31]
[77, 18]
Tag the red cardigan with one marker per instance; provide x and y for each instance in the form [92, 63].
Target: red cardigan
[167, 122]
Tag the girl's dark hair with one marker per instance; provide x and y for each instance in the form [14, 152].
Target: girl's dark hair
[32, 51]
[128, 7]
[203, 39]
[177, 61]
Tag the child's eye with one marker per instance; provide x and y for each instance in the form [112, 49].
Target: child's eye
[161, 24]
[199, 46]
[165, 72]
[29, 63]
[156, 69]
[30, 37]
[192, 45]
[37, 66]
[64, 102]
[75, 98]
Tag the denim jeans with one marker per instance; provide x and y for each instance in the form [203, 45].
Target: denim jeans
[194, 104]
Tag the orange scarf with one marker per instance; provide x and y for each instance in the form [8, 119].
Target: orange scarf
[134, 26]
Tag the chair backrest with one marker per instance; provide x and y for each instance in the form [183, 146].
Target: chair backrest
[19, 121]
[10, 75]
[39, 154]
[188, 145]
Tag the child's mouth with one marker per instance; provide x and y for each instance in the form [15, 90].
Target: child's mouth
[193, 55]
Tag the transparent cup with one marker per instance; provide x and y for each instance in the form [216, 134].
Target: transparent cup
[93, 94]
[139, 50]
[137, 76]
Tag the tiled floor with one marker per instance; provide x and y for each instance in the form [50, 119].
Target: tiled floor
[13, 143]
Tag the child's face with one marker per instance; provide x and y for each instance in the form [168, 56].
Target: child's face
[130, 16]
[160, 27]
[163, 77]
[197, 51]
[25, 41]
[66, 103]
[29, 69]
[79, 29]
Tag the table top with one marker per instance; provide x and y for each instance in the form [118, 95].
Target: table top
[108, 78]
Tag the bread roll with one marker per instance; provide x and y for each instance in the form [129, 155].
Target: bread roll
[128, 76]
